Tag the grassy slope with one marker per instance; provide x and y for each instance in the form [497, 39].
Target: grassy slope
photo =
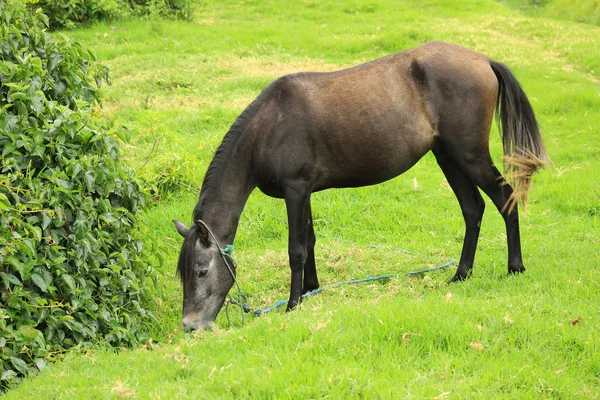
[584, 11]
[178, 86]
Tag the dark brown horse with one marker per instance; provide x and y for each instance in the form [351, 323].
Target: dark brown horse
[361, 126]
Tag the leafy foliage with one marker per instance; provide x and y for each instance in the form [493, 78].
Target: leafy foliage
[71, 268]
[178, 9]
[70, 13]
[164, 170]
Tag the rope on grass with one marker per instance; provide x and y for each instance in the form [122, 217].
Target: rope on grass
[242, 299]
[279, 303]
[261, 311]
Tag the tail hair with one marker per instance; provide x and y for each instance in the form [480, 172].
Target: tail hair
[524, 150]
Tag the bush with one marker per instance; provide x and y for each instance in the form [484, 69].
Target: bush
[70, 13]
[72, 270]
[178, 9]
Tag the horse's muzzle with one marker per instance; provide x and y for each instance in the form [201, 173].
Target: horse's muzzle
[194, 324]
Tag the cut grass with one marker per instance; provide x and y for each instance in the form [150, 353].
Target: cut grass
[178, 86]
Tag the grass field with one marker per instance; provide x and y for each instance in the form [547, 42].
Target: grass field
[178, 86]
[584, 11]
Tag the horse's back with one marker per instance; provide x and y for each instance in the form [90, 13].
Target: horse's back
[369, 123]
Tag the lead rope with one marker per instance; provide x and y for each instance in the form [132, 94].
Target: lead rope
[242, 299]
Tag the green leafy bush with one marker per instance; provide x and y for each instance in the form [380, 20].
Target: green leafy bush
[70, 13]
[72, 271]
[178, 9]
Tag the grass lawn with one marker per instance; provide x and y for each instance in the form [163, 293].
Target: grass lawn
[178, 86]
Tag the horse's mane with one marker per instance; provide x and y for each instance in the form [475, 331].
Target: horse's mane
[184, 265]
[221, 157]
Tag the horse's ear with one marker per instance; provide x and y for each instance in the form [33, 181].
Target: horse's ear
[181, 228]
[203, 234]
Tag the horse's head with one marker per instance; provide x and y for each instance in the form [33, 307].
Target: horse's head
[205, 277]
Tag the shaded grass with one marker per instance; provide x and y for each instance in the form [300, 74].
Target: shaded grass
[584, 11]
[178, 86]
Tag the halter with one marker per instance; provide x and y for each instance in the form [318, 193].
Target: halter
[226, 254]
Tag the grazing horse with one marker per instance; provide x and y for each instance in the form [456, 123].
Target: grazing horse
[355, 127]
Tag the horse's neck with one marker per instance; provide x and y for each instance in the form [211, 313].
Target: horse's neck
[223, 217]
[229, 181]
[221, 205]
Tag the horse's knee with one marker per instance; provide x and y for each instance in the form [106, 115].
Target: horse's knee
[474, 214]
[297, 257]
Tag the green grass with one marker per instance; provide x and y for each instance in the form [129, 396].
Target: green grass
[178, 86]
[584, 11]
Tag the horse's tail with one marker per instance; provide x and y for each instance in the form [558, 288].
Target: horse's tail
[524, 151]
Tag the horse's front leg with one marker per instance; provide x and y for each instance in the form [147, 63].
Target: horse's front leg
[298, 210]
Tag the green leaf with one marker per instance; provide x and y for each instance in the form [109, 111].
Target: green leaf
[55, 59]
[29, 332]
[9, 278]
[80, 227]
[19, 365]
[63, 183]
[45, 220]
[40, 363]
[89, 180]
[17, 265]
[8, 375]
[40, 282]
[4, 203]
[7, 15]
[28, 247]
[109, 218]
[18, 96]
[37, 233]
[37, 104]
[70, 282]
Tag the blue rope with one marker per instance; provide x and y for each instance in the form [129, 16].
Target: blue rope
[261, 311]
[242, 299]
[422, 271]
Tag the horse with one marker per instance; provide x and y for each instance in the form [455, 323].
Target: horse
[360, 126]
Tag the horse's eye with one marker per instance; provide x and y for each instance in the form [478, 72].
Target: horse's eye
[202, 273]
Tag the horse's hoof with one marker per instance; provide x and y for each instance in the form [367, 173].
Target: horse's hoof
[309, 288]
[292, 305]
[516, 270]
[460, 276]
[457, 278]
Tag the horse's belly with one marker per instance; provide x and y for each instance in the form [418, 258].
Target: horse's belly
[364, 176]
[371, 157]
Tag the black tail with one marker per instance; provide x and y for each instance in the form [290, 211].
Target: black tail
[524, 150]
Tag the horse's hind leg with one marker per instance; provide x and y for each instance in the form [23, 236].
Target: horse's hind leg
[485, 175]
[311, 282]
[499, 191]
[471, 205]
